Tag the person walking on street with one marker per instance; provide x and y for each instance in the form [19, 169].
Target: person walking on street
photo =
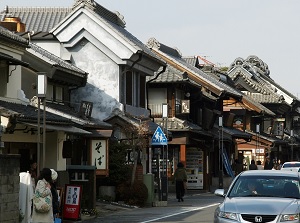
[180, 177]
[252, 166]
[43, 192]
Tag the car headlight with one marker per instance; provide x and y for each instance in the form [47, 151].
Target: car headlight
[289, 217]
[228, 215]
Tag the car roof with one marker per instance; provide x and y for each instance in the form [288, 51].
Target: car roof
[269, 173]
[291, 162]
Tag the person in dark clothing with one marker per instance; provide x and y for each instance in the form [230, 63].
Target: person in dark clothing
[252, 166]
[268, 164]
[55, 197]
[33, 172]
[180, 177]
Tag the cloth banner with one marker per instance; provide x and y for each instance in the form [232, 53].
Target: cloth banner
[227, 165]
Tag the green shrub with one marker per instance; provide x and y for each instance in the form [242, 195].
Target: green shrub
[119, 171]
[136, 194]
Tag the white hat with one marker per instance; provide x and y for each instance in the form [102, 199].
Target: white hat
[53, 174]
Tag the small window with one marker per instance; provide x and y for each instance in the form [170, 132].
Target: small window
[54, 93]
[58, 93]
[49, 95]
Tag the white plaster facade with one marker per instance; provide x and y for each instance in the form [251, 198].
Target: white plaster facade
[99, 49]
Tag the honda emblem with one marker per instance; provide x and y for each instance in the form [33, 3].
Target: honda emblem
[258, 219]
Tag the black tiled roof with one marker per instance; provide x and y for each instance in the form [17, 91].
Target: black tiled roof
[72, 112]
[171, 75]
[118, 114]
[176, 124]
[175, 55]
[55, 59]
[28, 113]
[37, 18]
[44, 19]
[10, 36]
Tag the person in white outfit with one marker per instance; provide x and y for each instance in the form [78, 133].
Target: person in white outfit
[43, 187]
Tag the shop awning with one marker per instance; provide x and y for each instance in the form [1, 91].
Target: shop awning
[233, 132]
[64, 128]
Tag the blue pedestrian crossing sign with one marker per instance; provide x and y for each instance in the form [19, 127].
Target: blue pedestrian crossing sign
[159, 138]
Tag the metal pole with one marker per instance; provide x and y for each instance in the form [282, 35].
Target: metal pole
[221, 152]
[292, 146]
[39, 138]
[44, 132]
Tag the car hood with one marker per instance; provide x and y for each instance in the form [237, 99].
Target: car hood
[264, 205]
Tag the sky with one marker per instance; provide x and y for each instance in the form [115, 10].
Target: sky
[219, 30]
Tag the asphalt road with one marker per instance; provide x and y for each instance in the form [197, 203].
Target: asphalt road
[197, 207]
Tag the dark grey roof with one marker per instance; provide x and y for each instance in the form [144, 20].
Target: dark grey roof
[37, 35]
[42, 53]
[233, 132]
[269, 138]
[230, 133]
[171, 53]
[72, 112]
[28, 113]
[176, 124]
[118, 114]
[44, 19]
[191, 60]
[171, 75]
[37, 18]
[10, 36]
[255, 73]
[114, 17]
[212, 81]
[259, 105]
[266, 99]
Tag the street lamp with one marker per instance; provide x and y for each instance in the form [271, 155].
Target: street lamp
[41, 94]
[221, 151]
[164, 179]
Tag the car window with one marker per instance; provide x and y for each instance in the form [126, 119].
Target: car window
[287, 165]
[265, 186]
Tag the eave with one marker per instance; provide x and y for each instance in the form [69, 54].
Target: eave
[192, 75]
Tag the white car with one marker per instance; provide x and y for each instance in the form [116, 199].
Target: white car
[260, 196]
[292, 166]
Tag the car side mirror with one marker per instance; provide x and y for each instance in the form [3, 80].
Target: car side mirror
[220, 192]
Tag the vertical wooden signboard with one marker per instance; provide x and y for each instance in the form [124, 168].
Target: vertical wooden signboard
[72, 201]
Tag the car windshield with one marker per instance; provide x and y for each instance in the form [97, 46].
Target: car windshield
[287, 165]
[265, 186]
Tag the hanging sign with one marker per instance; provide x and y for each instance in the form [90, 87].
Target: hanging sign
[72, 202]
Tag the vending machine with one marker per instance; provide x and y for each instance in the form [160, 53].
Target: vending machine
[194, 168]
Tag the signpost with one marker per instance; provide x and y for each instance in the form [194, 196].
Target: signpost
[159, 139]
[72, 202]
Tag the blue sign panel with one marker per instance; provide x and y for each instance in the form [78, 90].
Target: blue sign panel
[159, 138]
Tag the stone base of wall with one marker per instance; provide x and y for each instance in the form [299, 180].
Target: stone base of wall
[9, 188]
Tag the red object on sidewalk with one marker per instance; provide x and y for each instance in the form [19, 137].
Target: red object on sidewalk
[72, 202]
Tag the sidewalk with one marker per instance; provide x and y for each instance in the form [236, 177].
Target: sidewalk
[107, 208]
